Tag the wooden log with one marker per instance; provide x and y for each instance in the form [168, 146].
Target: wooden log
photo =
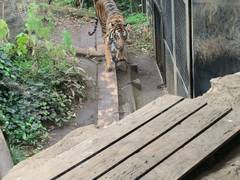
[108, 110]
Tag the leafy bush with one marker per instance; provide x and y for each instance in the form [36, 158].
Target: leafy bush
[129, 6]
[71, 2]
[67, 2]
[136, 18]
[4, 31]
[39, 84]
[140, 32]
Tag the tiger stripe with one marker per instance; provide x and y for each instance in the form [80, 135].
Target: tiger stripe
[113, 30]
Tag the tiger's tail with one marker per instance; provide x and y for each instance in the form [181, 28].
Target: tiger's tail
[95, 28]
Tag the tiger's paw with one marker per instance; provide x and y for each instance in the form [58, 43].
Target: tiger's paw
[110, 68]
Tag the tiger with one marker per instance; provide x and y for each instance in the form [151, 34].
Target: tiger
[114, 31]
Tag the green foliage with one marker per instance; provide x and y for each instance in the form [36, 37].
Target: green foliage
[66, 2]
[71, 2]
[129, 6]
[4, 31]
[140, 32]
[17, 153]
[136, 18]
[39, 21]
[67, 41]
[39, 85]
[22, 43]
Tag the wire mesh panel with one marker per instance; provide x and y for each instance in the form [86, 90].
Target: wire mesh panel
[201, 41]
[167, 6]
[169, 71]
[176, 44]
[216, 40]
[158, 38]
[181, 46]
[182, 91]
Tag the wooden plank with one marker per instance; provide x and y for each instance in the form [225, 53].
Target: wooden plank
[135, 141]
[166, 145]
[108, 110]
[182, 162]
[60, 164]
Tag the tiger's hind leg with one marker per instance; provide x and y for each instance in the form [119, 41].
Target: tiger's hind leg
[108, 56]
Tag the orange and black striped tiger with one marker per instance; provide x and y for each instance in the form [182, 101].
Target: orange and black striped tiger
[113, 29]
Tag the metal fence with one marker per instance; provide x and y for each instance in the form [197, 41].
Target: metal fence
[216, 41]
[172, 44]
[195, 41]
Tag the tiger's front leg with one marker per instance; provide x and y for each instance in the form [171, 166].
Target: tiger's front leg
[108, 56]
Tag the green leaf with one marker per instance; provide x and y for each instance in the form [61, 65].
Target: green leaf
[4, 31]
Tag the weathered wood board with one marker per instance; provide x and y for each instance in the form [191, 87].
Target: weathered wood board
[108, 110]
[135, 141]
[165, 139]
[57, 166]
[166, 145]
[183, 161]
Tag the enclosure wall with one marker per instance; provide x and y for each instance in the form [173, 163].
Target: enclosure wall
[216, 40]
[172, 47]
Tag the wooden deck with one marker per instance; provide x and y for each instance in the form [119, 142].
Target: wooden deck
[166, 139]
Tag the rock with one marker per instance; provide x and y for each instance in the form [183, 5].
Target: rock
[5, 158]
[225, 90]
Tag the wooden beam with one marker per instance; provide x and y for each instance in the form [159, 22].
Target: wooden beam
[108, 109]
[134, 142]
[166, 145]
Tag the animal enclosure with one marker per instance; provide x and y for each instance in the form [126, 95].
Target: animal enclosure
[195, 41]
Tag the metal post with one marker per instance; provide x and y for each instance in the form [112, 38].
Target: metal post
[3, 10]
[188, 46]
[174, 49]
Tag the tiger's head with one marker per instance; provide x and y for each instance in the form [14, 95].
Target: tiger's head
[118, 35]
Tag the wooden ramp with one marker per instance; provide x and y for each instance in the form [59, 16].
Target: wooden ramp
[166, 139]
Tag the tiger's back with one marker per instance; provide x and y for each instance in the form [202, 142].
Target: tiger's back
[113, 29]
[107, 12]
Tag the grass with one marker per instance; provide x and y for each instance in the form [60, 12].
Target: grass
[140, 33]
